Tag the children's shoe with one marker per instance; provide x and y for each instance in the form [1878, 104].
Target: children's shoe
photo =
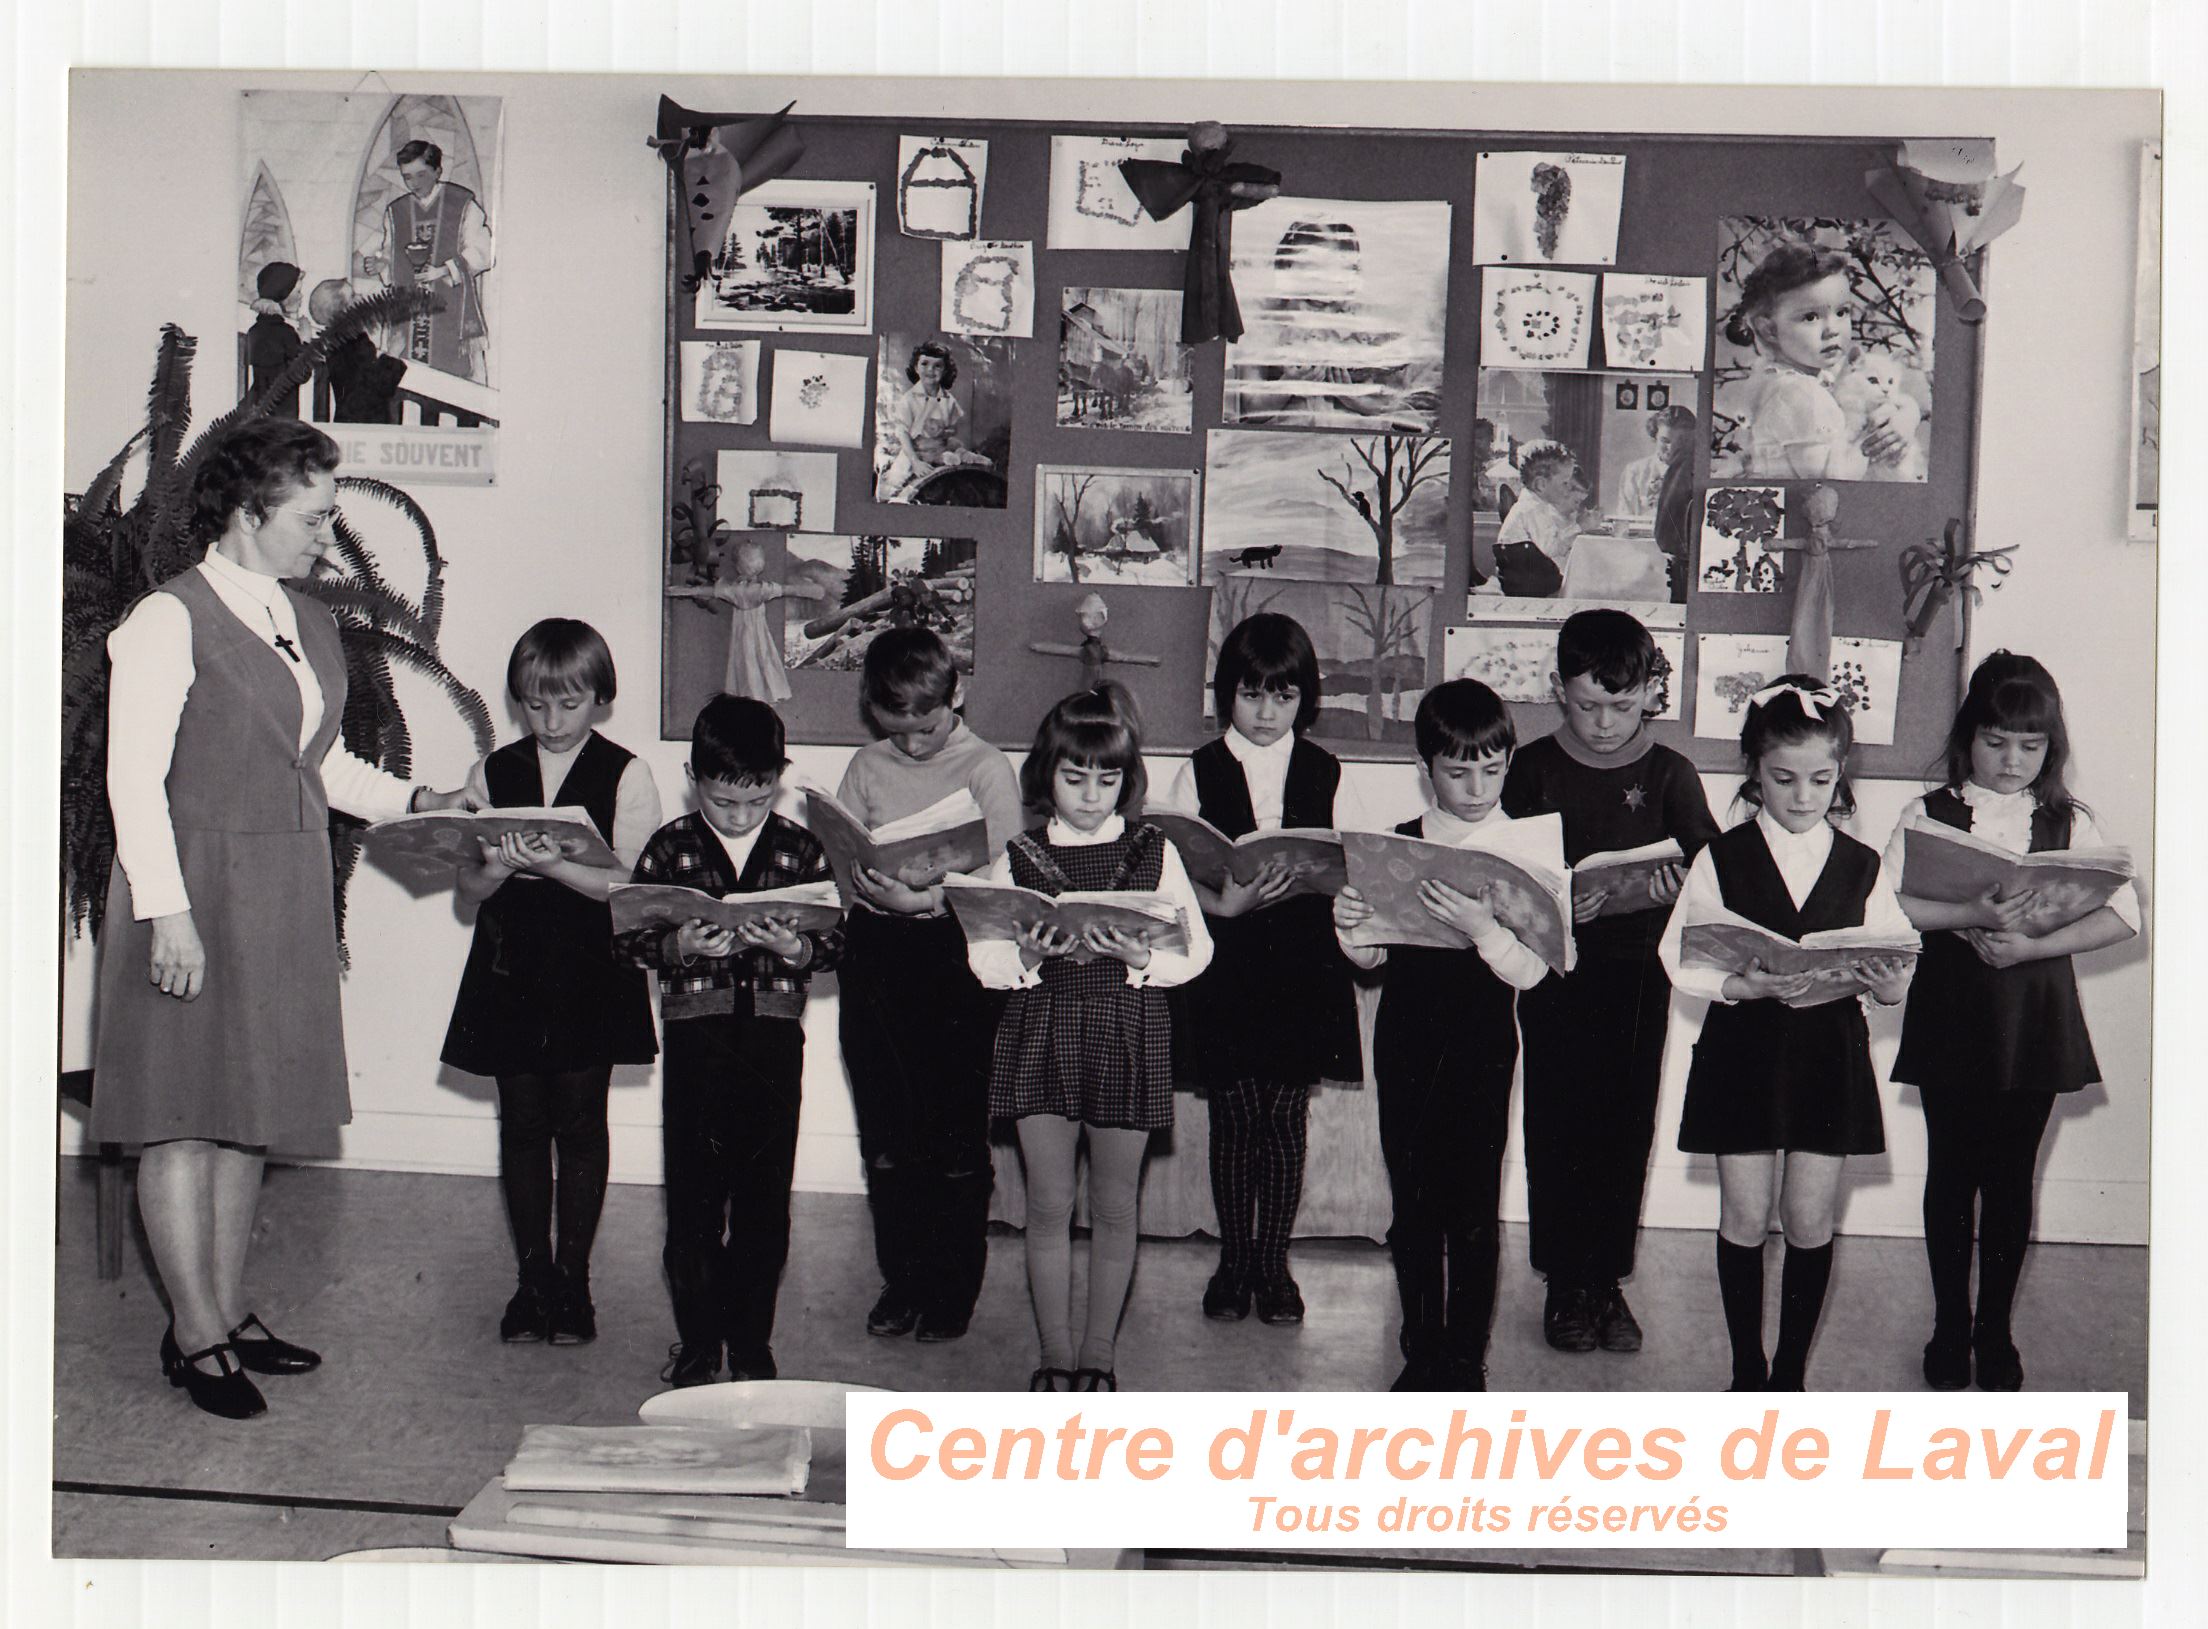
[528, 1315]
[1463, 1374]
[1750, 1380]
[1615, 1328]
[1227, 1296]
[892, 1314]
[1095, 1380]
[1417, 1375]
[1999, 1366]
[1279, 1302]
[574, 1319]
[1947, 1361]
[1048, 1378]
[692, 1365]
[1567, 1321]
[934, 1327]
[757, 1364]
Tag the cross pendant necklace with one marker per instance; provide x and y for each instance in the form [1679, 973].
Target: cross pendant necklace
[285, 645]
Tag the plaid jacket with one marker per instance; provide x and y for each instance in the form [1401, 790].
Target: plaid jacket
[686, 853]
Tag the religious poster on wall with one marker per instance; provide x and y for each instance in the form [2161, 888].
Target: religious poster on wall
[1824, 350]
[1343, 302]
[348, 197]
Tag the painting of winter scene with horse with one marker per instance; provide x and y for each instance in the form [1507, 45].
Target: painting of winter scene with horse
[1121, 363]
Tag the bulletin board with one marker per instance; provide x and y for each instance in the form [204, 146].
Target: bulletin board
[1676, 190]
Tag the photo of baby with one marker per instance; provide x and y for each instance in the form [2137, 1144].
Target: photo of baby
[1824, 351]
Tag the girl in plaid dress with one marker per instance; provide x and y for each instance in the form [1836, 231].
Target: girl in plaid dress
[1085, 1041]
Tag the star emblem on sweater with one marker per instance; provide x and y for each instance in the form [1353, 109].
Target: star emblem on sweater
[1636, 798]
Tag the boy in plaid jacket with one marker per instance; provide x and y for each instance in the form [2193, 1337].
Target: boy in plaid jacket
[732, 1002]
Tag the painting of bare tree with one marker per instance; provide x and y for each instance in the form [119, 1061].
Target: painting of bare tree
[1115, 526]
[1326, 508]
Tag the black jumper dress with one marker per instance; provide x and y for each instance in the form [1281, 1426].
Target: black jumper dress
[1994, 1029]
[541, 992]
[1767, 1076]
[1277, 1004]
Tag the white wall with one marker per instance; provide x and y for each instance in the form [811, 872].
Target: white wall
[573, 525]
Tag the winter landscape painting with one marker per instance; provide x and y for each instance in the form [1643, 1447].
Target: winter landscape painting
[1326, 508]
[1372, 641]
[1131, 526]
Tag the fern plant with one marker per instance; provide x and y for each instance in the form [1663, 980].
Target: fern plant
[112, 552]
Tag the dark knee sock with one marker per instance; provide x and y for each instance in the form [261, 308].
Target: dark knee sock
[1801, 1300]
[525, 1168]
[579, 1127]
[2005, 1216]
[1283, 1131]
[1234, 1130]
[1740, 1287]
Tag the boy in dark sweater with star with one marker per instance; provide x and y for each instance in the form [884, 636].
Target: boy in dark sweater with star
[1594, 1039]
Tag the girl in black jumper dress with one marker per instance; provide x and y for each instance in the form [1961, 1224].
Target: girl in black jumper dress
[1275, 1013]
[1993, 1031]
[543, 1006]
[1772, 1076]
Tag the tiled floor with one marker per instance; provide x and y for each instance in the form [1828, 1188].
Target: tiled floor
[399, 1279]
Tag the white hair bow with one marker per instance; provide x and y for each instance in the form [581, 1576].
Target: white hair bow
[1824, 695]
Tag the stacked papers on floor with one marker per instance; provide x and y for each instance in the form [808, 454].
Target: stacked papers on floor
[684, 1495]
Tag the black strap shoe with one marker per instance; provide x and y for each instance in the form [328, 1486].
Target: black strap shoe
[935, 1327]
[574, 1319]
[528, 1315]
[1095, 1380]
[263, 1353]
[756, 1364]
[226, 1393]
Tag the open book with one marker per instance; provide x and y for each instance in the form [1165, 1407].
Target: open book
[917, 850]
[773, 1459]
[809, 907]
[1953, 866]
[1313, 857]
[449, 837]
[1627, 873]
[1731, 943]
[987, 910]
[1521, 869]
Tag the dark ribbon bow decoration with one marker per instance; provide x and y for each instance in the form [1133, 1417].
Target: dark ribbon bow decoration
[1213, 186]
[715, 158]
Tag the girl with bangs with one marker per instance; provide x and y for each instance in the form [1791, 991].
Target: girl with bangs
[1994, 1032]
[1085, 1044]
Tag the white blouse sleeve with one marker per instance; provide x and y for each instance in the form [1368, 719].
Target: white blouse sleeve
[1180, 792]
[152, 673]
[1509, 959]
[1699, 899]
[1170, 967]
[1891, 862]
[359, 788]
[1882, 913]
[636, 812]
[2125, 901]
[996, 962]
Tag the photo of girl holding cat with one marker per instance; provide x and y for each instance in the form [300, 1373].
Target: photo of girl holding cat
[1824, 355]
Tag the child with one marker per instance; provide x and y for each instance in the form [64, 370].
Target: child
[1275, 1012]
[734, 1004]
[544, 1007]
[1444, 1048]
[1536, 536]
[1796, 312]
[922, 427]
[1768, 1078]
[363, 381]
[915, 1025]
[1594, 1039]
[1993, 1030]
[1085, 1041]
